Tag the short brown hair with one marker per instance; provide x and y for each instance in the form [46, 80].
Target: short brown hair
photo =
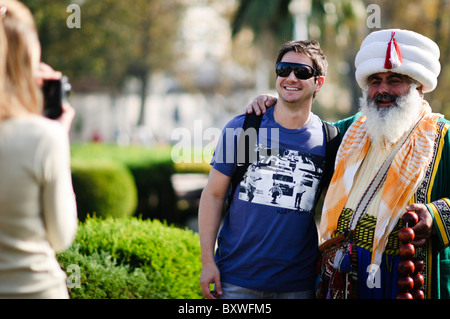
[310, 48]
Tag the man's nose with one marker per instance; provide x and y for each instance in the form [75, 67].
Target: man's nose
[384, 87]
[292, 77]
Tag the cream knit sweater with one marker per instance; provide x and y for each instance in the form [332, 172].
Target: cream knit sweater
[37, 205]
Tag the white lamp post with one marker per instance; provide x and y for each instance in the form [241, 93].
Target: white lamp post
[300, 9]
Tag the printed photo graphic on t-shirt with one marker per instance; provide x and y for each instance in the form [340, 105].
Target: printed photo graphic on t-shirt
[288, 179]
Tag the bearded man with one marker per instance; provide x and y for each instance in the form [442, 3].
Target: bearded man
[394, 68]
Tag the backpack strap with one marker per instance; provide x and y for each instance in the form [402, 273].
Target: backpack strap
[245, 143]
[333, 141]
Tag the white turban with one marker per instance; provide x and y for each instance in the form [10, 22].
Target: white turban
[399, 51]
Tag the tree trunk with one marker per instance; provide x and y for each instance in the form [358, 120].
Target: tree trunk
[141, 122]
[143, 94]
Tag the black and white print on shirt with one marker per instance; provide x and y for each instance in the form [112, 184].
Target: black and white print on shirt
[288, 179]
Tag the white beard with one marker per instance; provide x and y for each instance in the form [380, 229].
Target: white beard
[387, 125]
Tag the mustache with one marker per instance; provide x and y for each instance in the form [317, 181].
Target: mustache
[386, 96]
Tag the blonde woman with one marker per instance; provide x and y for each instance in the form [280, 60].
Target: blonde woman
[37, 204]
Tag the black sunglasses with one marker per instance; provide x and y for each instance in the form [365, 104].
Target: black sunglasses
[301, 71]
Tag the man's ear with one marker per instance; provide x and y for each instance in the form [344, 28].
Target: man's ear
[420, 89]
[319, 82]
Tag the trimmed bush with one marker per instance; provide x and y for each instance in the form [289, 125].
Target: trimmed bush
[151, 169]
[103, 278]
[103, 189]
[187, 168]
[133, 258]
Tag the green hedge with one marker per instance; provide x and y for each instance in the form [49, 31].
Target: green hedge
[133, 258]
[151, 167]
[103, 188]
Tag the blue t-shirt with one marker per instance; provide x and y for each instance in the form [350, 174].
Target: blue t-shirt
[269, 238]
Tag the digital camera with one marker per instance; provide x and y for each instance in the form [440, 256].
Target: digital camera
[55, 93]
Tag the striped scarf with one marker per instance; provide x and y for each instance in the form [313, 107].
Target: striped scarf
[403, 178]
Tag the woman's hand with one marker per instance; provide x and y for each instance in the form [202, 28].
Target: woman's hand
[46, 72]
[66, 118]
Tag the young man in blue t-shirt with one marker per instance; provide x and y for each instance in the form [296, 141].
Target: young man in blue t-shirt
[267, 247]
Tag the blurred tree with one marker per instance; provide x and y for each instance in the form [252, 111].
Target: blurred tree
[117, 40]
[271, 24]
[333, 23]
[432, 19]
[269, 19]
[341, 25]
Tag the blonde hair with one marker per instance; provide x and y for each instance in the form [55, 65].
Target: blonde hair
[18, 44]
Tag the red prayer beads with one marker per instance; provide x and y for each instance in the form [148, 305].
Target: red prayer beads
[411, 279]
[410, 219]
